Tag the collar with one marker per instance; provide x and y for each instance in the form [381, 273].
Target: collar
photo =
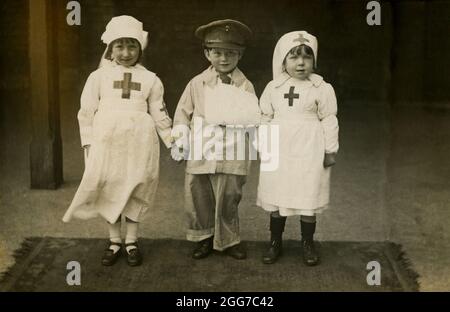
[315, 79]
[210, 77]
[115, 64]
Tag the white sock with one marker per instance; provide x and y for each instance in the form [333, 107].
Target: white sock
[114, 236]
[132, 229]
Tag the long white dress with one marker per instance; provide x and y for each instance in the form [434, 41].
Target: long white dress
[305, 112]
[122, 110]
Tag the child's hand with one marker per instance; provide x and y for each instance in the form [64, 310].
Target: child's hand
[176, 154]
[329, 160]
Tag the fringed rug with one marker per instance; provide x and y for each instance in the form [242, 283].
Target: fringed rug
[41, 265]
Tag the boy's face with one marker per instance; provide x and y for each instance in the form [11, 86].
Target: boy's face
[299, 66]
[125, 53]
[223, 60]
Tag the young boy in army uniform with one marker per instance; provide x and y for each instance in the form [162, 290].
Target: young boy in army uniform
[213, 186]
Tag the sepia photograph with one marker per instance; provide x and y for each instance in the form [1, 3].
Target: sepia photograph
[224, 146]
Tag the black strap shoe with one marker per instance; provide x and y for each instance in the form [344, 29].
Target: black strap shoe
[273, 253]
[109, 256]
[204, 248]
[237, 252]
[310, 255]
[134, 257]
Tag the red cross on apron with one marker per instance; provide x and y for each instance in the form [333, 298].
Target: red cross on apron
[291, 96]
[127, 85]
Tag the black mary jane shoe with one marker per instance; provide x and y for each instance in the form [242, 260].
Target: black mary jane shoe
[134, 257]
[109, 256]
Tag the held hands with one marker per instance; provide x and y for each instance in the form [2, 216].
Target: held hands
[180, 136]
[329, 160]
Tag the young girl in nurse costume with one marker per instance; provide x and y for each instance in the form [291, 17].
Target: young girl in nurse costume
[122, 112]
[304, 108]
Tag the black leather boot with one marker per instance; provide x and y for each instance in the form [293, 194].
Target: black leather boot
[276, 241]
[204, 248]
[310, 255]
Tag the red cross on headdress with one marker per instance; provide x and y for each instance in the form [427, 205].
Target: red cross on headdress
[301, 39]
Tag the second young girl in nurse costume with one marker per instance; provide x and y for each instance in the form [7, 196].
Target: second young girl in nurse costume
[304, 108]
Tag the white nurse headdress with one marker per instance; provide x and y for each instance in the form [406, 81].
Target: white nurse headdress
[125, 26]
[286, 43]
